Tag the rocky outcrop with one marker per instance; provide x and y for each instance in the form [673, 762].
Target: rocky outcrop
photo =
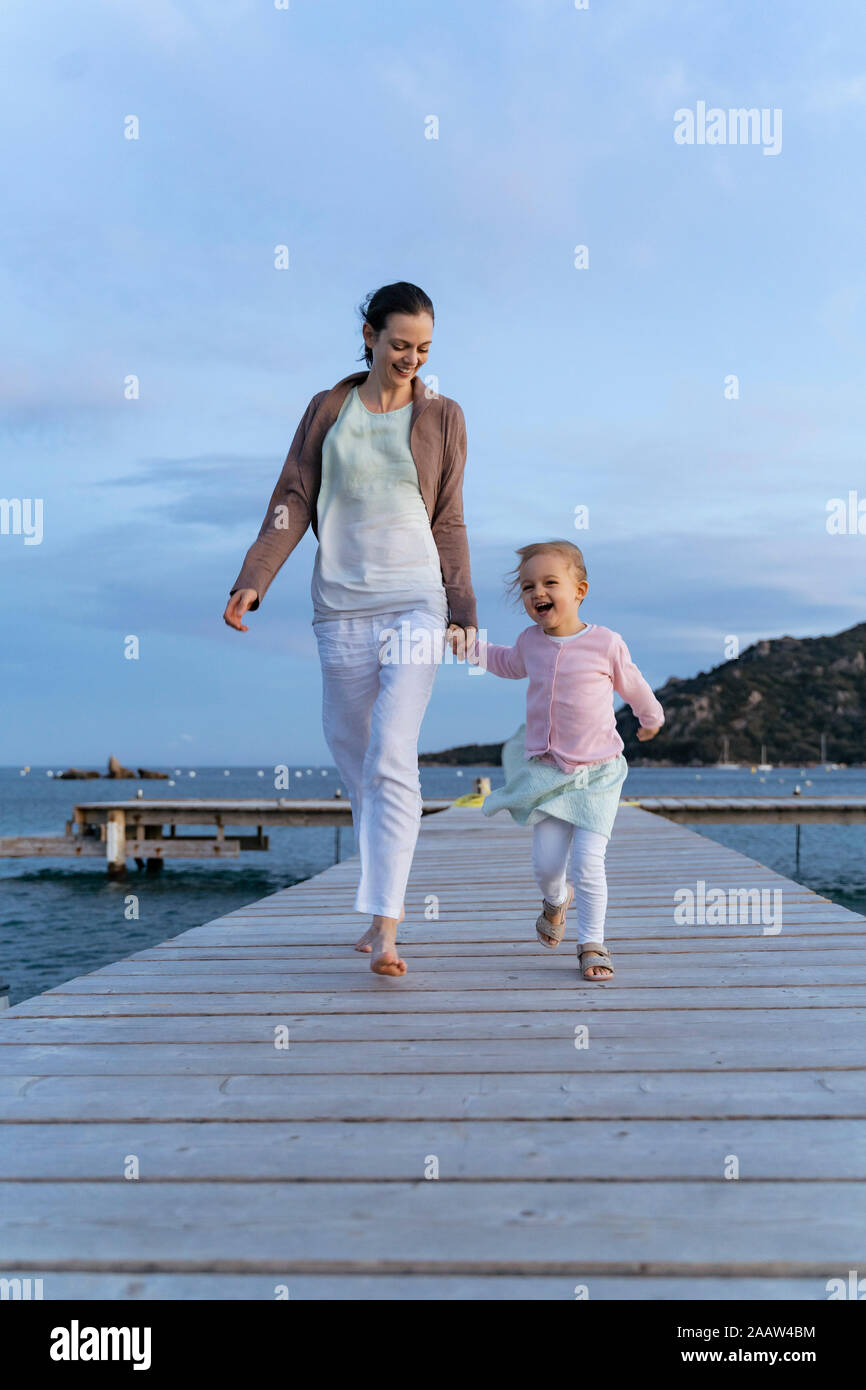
[116, 769]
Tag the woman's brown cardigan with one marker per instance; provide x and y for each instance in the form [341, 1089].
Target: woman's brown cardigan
[437, 439]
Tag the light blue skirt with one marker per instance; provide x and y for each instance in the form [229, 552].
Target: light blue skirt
[588, 797]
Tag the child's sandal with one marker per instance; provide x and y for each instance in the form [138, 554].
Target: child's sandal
[544, 927]
[592, 955]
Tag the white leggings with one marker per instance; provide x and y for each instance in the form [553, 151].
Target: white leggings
[371, 716]
[552, 840]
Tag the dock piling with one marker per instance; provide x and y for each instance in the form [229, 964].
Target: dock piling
[115, 843]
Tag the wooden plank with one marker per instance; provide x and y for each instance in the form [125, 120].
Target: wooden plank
[515, 920]
[495, 951]
[625, 1095]
[577, 1149]
[353, 976]
[240, 965]
[508, 925]
[81, 847]
[515, 899]
[651, 998]
[407, 1287]
[703, 1047]
[682, 1026]
[345, 932]
[50, 847]
[755, 1229]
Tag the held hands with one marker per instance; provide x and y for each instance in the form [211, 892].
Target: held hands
[461, 641]
[644, 734]
[237, 607]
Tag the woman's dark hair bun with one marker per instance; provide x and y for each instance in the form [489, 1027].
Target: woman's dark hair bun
[399, 298]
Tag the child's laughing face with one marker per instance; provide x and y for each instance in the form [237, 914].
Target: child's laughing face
[552, 593]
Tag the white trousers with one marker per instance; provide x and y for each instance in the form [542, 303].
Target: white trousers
[374, 695]
[563, 853]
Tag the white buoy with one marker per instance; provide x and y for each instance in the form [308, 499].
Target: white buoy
[49, 773]
[139, 793]
[260, 773]
[192, 774]
[226, 773]
[171, 781]
[460, 774]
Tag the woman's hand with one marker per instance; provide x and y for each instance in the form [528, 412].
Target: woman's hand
[237, 607]
[459, 639]
[644, 734]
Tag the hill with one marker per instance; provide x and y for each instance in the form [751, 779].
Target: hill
[467, 755]
[783, 693]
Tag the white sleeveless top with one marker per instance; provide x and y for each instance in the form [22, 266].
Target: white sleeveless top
[376, 549]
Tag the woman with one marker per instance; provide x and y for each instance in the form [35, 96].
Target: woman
[376, 467]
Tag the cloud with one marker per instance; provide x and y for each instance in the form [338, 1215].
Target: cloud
[210, 490]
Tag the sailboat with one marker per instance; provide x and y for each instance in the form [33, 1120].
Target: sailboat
[763, 765]
[724, 762]
[828, 767]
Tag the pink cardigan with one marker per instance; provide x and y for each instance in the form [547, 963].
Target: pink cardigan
[569, 702]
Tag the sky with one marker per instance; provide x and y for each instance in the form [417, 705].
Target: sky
[605, 385]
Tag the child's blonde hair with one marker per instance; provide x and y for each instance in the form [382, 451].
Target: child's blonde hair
[565, 549]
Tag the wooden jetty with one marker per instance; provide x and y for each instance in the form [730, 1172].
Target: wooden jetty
[245, 1111]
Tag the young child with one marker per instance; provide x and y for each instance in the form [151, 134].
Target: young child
[564, 778]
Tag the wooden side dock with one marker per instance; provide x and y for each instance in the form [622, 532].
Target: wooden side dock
[245, 1109]
[758, 810]
[135, 829]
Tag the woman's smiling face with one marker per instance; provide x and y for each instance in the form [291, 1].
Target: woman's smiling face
[401, 349]
[550, 589]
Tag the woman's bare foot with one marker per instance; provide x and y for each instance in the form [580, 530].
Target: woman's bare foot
[384, 959]
[364, 943]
